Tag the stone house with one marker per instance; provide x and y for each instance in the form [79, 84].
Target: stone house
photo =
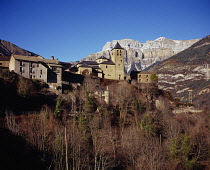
[36, 67]
[147, 77]
[4, 61]
[106, 68]
[102, 95]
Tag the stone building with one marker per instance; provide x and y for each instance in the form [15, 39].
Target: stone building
[147, 77]
[4, 61]
[102, 95]
[36, 67]
[106, 68]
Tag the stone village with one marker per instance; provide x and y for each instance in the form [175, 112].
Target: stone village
[59, 75]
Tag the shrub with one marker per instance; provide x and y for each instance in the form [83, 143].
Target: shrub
[26, 87]
[154, 77]
[58, 110]
[90, 104]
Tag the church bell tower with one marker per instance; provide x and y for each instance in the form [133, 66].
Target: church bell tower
[117, 54]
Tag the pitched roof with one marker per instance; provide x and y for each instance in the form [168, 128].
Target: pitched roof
[85, 65]
[117, 46]
[27, 58]
[108, 62]
[89, 62]
[36, 59]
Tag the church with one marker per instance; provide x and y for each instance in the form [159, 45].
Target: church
[106, 68]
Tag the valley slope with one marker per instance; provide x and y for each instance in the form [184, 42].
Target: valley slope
[186, 71]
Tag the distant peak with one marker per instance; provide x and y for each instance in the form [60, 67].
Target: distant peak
[160, 39]
[127, 40]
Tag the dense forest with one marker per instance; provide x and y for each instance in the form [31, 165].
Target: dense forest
[79, 130]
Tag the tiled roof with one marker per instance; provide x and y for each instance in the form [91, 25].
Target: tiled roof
[95, 67]
[36, 59]
[117, 46]
[85, 65]
[51, 61]
[27, 58]
[55, 65]
[108, 62]
[89, 62]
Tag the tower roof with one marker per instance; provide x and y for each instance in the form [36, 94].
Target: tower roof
[117, 46]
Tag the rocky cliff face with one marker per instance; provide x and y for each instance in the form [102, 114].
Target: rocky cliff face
[186, 71]
[139, 56]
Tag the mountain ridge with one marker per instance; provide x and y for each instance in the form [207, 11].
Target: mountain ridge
[139, 56]
[7, 49]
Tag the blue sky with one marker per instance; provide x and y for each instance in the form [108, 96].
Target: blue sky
[72, 29]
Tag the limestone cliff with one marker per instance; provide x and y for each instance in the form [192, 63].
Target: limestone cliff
[139, 56]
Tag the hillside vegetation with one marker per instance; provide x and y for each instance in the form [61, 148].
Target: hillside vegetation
[21, 95]
[136, 130]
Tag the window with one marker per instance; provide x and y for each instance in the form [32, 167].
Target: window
[118, 64]
[30, 76]
[31, 64]
[40, 71]
[30, 70]
[21, 69]
[0, 63]
[21, 63]
[54, 68]
[106, 66]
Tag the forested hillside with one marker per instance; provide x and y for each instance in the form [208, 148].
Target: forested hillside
[135, 130]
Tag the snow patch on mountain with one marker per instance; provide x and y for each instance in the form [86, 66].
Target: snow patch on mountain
[139, 56]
